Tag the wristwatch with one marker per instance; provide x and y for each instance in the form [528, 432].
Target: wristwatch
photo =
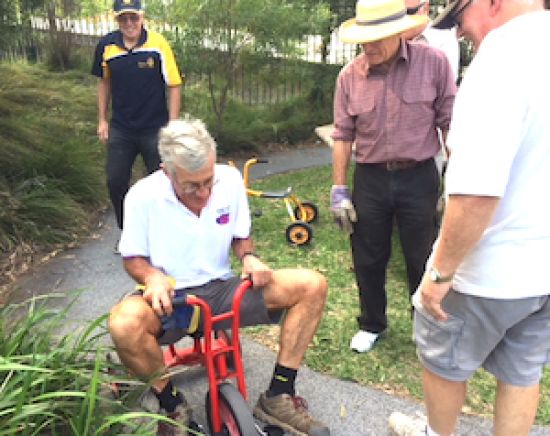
[436, 277]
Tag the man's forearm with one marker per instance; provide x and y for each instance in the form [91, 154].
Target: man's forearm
[140, 269]
[242, 246]
[103, 97]
[466, 218]
[174, 102]
[341, 156]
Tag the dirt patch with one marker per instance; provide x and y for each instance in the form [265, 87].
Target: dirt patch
[268, 336]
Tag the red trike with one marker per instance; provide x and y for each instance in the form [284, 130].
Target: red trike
[220, 352]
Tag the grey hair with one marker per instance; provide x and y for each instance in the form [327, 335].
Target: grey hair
[185, 143]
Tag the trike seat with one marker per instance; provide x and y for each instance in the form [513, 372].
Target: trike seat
[277, 194]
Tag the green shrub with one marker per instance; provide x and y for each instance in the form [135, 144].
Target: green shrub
[251, 128]
[51, 164]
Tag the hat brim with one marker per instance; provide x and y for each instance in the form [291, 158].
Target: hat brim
[446, 19]
[352, 33]
[129, 11]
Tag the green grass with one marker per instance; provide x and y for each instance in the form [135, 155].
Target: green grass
[392, 365]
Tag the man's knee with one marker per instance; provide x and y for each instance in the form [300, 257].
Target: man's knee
[315, 286]
[128, 317]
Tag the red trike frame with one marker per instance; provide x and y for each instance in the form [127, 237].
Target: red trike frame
[211, 352]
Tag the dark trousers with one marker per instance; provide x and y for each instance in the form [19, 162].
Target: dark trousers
[122, 150]
[407, 197]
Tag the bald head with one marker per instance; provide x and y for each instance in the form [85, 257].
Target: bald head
[479, 18]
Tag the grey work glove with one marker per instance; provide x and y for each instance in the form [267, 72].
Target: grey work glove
[342, 208]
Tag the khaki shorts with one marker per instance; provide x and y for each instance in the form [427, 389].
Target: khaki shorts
[219, 296]
[509, 338]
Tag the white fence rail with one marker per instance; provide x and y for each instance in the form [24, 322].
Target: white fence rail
[338, 52]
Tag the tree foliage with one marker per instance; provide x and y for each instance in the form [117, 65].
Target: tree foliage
[237, 32]
[60, 40]
[340, 10]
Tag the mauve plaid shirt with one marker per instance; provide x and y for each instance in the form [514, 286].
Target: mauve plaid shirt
[394, 115]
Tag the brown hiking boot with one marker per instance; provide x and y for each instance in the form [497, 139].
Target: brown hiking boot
[289, 413]
[181, 415]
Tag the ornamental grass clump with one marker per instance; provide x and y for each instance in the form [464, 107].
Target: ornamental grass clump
[59, 385]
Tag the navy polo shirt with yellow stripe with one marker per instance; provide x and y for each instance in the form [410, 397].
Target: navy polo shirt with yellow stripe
[138, 79]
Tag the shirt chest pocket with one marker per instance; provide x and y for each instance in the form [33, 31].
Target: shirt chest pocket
[363, 107]
[418, 104]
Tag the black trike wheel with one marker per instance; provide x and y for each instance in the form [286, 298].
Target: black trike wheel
[236, 417]
[311, 212]
[299, 233]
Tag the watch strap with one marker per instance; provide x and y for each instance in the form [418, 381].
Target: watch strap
[436, 276]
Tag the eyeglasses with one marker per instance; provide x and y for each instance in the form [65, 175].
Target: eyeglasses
[413, 10]
[132, 18]
[189, 188]
[458, 14]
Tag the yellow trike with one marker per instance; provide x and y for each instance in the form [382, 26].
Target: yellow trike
[301, 213]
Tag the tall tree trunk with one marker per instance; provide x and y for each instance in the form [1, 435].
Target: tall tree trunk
[56, 53]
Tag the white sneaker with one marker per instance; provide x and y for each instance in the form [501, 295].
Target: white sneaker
[403, 425]
[363, 341]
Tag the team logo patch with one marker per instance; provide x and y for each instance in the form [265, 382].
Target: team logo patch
[149, 63]
[222, 216]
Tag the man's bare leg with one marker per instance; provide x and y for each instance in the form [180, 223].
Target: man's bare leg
[303, 292]
[443, 400]
[133, 326]
[515, 409]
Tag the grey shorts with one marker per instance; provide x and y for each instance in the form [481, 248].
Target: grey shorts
[219, 296]
[509, 338]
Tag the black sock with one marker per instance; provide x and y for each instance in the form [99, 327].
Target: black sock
[169, 398]
[282, 381]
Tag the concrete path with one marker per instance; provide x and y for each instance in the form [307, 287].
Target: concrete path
[350, 409]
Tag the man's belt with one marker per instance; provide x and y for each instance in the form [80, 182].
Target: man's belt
[396, 165]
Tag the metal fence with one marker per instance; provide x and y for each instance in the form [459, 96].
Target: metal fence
[247, 86]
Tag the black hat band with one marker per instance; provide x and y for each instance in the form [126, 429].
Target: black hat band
[387, 19]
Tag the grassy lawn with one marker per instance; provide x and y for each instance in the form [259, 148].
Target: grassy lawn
[392, 365]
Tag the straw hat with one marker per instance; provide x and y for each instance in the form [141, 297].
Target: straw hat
[378, 19]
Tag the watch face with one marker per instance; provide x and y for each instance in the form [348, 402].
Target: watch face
[434, 276]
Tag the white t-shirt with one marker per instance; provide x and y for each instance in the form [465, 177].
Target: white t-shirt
[446, 41]
[192, 249]
[500, 147]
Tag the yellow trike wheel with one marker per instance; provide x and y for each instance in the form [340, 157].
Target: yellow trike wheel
[306, 212]
[299, 233]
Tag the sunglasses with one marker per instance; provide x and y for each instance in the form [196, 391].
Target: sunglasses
[132, 18]
[413, 10]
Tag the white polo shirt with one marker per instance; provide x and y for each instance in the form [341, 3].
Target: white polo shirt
[192, 249]
[500, 147]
